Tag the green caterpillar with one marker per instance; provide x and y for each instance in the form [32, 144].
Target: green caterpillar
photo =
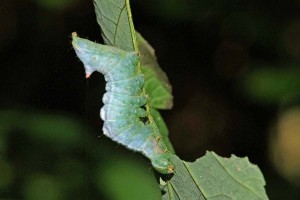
[123, 113]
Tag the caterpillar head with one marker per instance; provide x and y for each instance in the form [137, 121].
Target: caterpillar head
[162, 163]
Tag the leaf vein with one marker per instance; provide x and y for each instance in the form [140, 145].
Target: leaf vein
[196, 183]
[109, 19]
[103, 28]
[106, 38]
[113, 3]
[177, 193]
[117, 24]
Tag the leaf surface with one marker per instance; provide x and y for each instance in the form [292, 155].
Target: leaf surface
[114, 18]
[216, 178]
[163, 129]
[157, 84]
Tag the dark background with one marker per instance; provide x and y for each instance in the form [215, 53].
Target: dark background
[233, 65]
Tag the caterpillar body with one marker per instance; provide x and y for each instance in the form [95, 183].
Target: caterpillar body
[123, 113]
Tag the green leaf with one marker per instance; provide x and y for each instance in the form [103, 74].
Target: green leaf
[114, 18]
[163, 129]
[157, 84]
[215, 178]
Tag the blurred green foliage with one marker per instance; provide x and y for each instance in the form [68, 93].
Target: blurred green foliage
[47, 157]
[272, 86]
[42, 187]
[7, 175]
[123, 179]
